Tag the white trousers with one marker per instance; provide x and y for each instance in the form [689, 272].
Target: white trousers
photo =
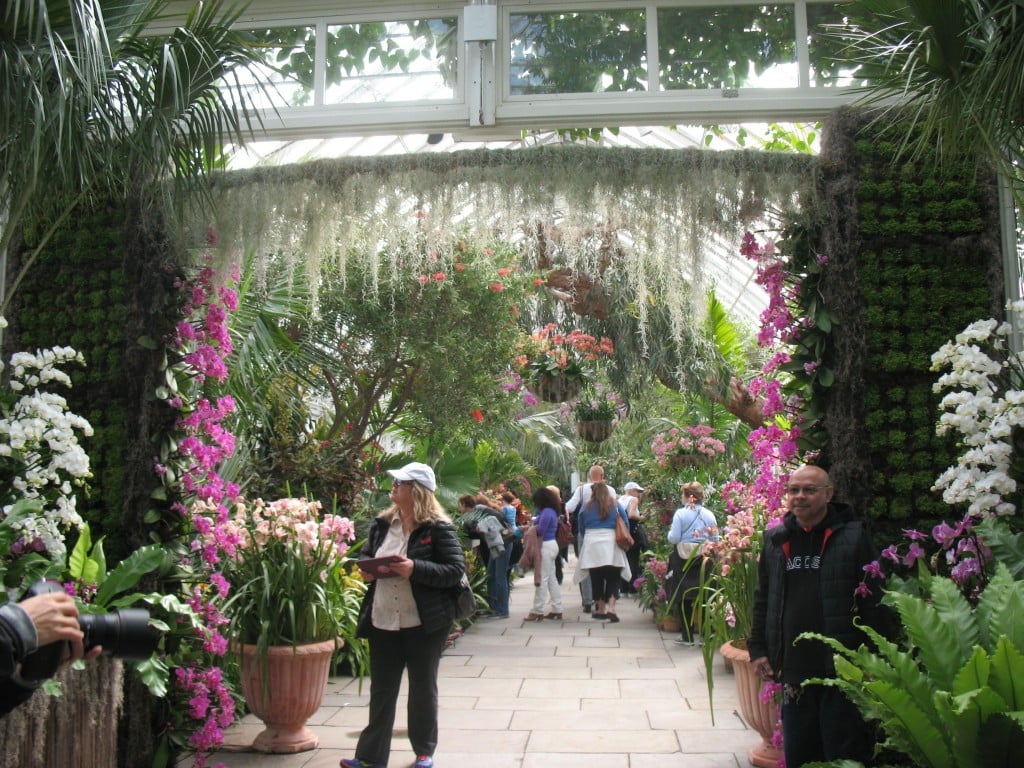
[548, 587]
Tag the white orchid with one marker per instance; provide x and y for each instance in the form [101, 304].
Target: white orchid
[984, 403]
[40, 456]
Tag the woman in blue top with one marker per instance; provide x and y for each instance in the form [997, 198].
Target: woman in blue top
[546, 504]
[599, 555]
[692, 526]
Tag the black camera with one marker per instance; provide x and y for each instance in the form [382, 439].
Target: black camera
[123, 632]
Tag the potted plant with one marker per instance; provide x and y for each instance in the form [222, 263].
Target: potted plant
[556, 365]
[725, 611]
[285, 587]
[685, 446]
[596, 415]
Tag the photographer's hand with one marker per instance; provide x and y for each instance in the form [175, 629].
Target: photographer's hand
[55, 617]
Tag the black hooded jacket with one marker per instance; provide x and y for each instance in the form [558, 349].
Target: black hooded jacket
[844, 547]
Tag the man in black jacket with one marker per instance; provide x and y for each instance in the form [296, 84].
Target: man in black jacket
[809, 574]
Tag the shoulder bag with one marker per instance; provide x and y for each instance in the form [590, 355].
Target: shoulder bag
[622, 536]
[465, 600]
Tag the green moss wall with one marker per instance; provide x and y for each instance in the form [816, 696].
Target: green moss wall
[914, 257]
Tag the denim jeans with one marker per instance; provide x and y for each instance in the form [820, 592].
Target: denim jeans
[497, 582]
[820, 724]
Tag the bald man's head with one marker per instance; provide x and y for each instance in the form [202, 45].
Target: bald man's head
[596, 474]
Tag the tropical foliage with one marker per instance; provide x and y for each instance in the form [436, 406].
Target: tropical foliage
[950, 696]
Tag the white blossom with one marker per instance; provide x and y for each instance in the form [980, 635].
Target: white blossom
[39, 447]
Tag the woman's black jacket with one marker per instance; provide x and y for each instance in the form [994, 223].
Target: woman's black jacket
[438, 565]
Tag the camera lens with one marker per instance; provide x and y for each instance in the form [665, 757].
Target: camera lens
[124, 633]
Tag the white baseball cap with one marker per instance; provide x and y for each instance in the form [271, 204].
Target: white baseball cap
[631, 486]
[417, 471]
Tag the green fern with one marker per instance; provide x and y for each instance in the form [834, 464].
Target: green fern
[953, 697]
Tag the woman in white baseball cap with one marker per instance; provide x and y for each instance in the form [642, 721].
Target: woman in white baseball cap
[630, 501]
[407, 618]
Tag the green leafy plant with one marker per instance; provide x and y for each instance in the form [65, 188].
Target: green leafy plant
[598, 405]
[950, 697]
[281, 570]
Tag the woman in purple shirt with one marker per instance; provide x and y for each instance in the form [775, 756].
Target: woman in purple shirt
[546, 504]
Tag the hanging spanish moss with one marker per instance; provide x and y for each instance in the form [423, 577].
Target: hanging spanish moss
[633, 225]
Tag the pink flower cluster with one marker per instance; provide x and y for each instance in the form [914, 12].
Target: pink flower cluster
[203, 333]
[202, 340]
[685, 440]
[247, 527]
[209, 702]
[961, 553]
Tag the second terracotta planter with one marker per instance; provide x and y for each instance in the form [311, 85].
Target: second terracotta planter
[284, 691]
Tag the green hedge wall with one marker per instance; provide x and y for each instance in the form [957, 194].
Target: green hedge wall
[74, 294]
[915, 258]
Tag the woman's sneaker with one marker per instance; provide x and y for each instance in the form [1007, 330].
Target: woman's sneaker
[423, 761]
[355, 762]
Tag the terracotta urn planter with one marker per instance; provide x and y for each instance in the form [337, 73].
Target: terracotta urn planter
[594, 431]
[759, 715]
[670, 624]
[284, 691]
[556, 389]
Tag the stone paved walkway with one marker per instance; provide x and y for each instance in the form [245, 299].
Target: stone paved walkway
[555, 694]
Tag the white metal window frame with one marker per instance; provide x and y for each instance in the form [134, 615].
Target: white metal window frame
[483, 102]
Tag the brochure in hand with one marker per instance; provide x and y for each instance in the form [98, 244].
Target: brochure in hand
[379, 567]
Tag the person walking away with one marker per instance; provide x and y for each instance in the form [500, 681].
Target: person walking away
[580, 498]
[487, 522]
[510, 507]
[563, 552]
[630, 502]
[600, 556]
[692, 526]
[406, 619]
[809, 580]
[546, 504]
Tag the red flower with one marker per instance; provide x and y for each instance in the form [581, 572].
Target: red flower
[504, 272]
[460, 267]
[538, 282]
[497, 287]
[423, 279]
[439, 277]
[478, 415]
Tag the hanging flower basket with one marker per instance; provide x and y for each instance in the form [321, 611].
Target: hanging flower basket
[594, 431]
[682, 460]
[556, 388]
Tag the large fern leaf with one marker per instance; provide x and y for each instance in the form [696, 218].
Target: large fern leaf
[999, 610]
[1007, 674]
[908, 729]
[938, 636]
[886, 664]
[965, 717]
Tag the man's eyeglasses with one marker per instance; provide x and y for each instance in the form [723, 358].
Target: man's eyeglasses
[806, 490]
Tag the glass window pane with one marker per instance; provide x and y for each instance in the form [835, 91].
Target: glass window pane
[287, 67]
[389, 61]
[824, 47]
[578, 52]
[735, 46]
